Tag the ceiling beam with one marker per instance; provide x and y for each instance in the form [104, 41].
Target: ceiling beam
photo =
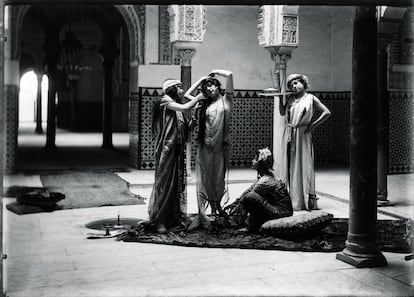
[396, 3]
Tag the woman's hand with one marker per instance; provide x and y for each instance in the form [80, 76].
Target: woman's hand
[201, 79]
[309, 128]
[193, 87]
[220, 72]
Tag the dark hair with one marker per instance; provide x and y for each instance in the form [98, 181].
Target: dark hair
[205, 104]
[156, 108]
[211, 81]
[172, 92]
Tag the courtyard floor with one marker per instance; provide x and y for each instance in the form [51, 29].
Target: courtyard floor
[48, 254]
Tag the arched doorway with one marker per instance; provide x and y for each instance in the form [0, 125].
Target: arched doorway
[105, 48]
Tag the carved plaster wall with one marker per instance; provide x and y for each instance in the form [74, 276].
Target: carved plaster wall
[407, 37]
[134, 17]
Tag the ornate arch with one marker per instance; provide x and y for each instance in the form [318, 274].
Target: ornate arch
[134, 16]
[17, 14]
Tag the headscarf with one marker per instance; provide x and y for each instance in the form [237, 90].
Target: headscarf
[294, 76]
[169, 83]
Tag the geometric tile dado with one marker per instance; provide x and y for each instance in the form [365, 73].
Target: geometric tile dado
[252, 125]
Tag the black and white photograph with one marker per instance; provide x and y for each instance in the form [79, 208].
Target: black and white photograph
[206, 148]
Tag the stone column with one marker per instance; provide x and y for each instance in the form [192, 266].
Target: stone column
[52, 57]
[361, 245]
[279, 122]
[73, 97]
[107, 105]
[187, 29]
[109, 52]
[51, 111]
[278, 29]
[39, 129]
[186, 56]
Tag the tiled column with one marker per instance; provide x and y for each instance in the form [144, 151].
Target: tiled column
[361, 245]
[134, 117]
[11, 97]
[11, 120]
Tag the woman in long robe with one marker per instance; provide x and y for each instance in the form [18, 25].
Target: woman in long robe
[299, 110]
[214, 143]
[167, 206]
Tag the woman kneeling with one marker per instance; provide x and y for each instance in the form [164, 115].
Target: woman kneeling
[266, 199]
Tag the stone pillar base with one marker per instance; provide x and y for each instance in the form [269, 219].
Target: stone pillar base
[362, 261]
[382, 198]
[385, 202]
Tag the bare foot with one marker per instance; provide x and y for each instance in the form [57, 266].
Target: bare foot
[161, 229]
[198, 222]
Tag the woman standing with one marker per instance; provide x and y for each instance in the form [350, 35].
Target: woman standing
[299, 110]
[213, 144]
[167, 206]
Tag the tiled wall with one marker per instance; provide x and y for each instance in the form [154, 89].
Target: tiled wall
[331, 139]
[11, 127]
[401, 123]
[251, 128]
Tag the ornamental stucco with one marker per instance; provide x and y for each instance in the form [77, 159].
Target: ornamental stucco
[277, 25]
[134, 17]
[187, 23]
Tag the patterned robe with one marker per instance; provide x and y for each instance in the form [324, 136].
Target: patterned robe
[168, 201]
[267, 199]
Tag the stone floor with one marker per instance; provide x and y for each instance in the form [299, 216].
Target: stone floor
[49, 254]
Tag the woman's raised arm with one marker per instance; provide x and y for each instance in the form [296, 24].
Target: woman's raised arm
[229, 78]
[193, 87]
[172, 105]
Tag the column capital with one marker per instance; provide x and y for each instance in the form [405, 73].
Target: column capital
[280, 60]
[186, 56]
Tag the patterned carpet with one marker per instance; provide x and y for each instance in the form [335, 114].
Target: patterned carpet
[393, 236]
[89, 188]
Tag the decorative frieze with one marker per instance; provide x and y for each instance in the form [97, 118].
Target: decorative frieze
[165, 49]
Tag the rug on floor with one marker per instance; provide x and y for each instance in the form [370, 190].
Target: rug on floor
[81, 189]
[393, 236]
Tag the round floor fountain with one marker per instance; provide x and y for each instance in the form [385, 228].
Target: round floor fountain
[113, 224]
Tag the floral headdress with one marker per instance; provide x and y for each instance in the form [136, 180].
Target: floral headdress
[264, 154]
